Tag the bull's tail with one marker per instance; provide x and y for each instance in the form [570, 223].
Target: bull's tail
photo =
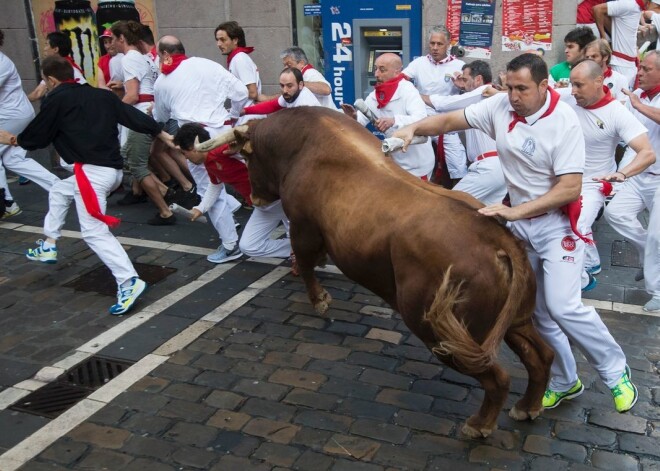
[454, 339]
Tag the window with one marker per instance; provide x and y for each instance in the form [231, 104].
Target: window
[307, 31]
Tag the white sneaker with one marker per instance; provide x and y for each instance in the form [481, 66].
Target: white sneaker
[653, 305]
[127, 296]
[40, 254]
[12, 210]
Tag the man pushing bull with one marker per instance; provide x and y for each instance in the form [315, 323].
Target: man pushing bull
[544, 173]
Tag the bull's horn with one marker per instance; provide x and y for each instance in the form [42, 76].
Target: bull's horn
[219, 140]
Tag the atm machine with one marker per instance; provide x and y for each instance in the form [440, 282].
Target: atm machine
[355, 33]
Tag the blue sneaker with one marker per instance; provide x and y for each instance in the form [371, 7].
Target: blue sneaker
[223, 255]
[127, 296]
[23, 181]
[592, 283]
[40, 254]
[595, 270]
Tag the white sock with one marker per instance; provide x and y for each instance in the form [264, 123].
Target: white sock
[48, 245]
[229, 247]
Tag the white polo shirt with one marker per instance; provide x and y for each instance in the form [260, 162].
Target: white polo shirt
[434, 78]
[116, 69]
[603, 128]
[533, 154]
[245, 70]
[14, 103]
[305, 98]
[136, 65]
[311, 75]
[406, 107]
[616, 82]
[653, 128]
[625, 19]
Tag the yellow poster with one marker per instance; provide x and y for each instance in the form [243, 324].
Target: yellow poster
[79, 20]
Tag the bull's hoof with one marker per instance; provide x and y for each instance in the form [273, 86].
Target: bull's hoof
[322, 303]
[472, 432]
[518, 414]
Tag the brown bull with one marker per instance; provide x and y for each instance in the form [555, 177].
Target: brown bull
[460, 280]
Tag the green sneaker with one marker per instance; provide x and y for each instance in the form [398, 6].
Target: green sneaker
[551, 399]
[624, 393]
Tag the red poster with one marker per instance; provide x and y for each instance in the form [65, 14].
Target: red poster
[454, 19]
[526, 25]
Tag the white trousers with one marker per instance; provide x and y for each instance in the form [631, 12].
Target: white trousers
[15, 159]
[592, 200]
[484, 181]
[256, 241]
[638, 193]
[60, 197]
[220, 214]
[556, 257]
[455, 156]
[95, 233]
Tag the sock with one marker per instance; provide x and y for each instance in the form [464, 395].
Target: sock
[127, 283]
[47, 245]
[229, 247]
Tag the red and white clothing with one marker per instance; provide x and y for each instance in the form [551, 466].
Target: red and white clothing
[484, 179]
[625, 16]
[585, 16]
[136, 65]
[604, 125]
[435, 78]
[311, 75]
[406, 107]
[636, 194]
[616, 82]
[305, 98]
[532, 158]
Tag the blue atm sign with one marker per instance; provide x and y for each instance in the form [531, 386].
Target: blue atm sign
[342, 56]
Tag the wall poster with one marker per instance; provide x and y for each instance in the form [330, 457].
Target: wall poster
[526, 25]
[470, 23]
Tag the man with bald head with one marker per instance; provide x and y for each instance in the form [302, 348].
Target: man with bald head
[194, 90]
[396, 103]
[605, 122]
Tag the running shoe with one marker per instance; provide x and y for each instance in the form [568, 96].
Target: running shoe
[127, 296]
[552, 399]
[624, 393]
[39, 254]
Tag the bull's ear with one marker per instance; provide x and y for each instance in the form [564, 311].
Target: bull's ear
[243, 139]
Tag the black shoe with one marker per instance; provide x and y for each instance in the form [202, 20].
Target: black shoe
[161, 221]
[170, 196]
[131, 198]
[188, 199]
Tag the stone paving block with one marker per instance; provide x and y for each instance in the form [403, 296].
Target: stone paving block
[345, 316]
[639, 445]
[405, 400]
[348, 388]
[380, 362]
[380, 322]
[146, 424]
[224, 400]
[324, 420]
[401, 458]
[237, 323]
[584, 434]
[347, 328]
[382, 378]
[649, 464]
[176, 372]
[186, 392]
[278, 330]
[103, 437]
[148, 446]
[620, 422]
[205, 346]
[311, 322]
[277, 454]
[504, 439]
[359, 344]
[247, 338]
[317, 336]
[424, 422]
[142, 464]
[613, 461]
[279, 344]
[268, 409]
[236, 443]
[104, 459]
[286, 359]
[440, 389]
[150, 384]
[216, 333]
[185, 410]
[420, 369]
[439, 463]
[345, 465]
[230, 462]
[270, 302]
[384, 335]
[323, 352]
[65, 452]
[543, 464]
[351, 446]
[369, 409]
[314, 400]
[109, 415]
[191, 434]
[453, 376]
[193, 457]
[262, 389]
[276, 431]
[380, 431]
[335, 368]
[228, 420]
[311, 438]
[243, 352]
[298, 379]
[496, 458]
[251, 369]
[216, 379]
[436, 445]
[572, 411]
[310, 461]
[545, 446]
[270, 315]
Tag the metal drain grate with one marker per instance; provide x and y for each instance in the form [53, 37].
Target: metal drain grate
[70, 388]
[100, 280]
[624, 254]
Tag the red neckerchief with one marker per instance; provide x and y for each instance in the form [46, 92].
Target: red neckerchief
[176, 61]
[385, 91]
[73, 64]
[306, 68]
[608, 98]
[608, 72]
[153, 53]
[554, 99]
[73, 81]
[89, 197]
[641, 5]
[447, 59]
[231, 55]
[650, 94]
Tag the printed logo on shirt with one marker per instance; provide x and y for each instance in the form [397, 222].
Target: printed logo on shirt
[610, 85]
[568, 244]
[600, 124]
[447, 78]
[529, 147]
[569, 259]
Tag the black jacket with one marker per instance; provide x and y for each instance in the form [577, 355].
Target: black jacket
[81, 121]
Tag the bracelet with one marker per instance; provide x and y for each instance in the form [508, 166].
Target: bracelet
[625, 177]
[12, 141]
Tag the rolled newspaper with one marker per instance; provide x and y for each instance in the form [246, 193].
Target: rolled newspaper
[392, 144]
[186, 213]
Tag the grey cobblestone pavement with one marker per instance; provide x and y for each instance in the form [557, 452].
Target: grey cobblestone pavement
[267, 384]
